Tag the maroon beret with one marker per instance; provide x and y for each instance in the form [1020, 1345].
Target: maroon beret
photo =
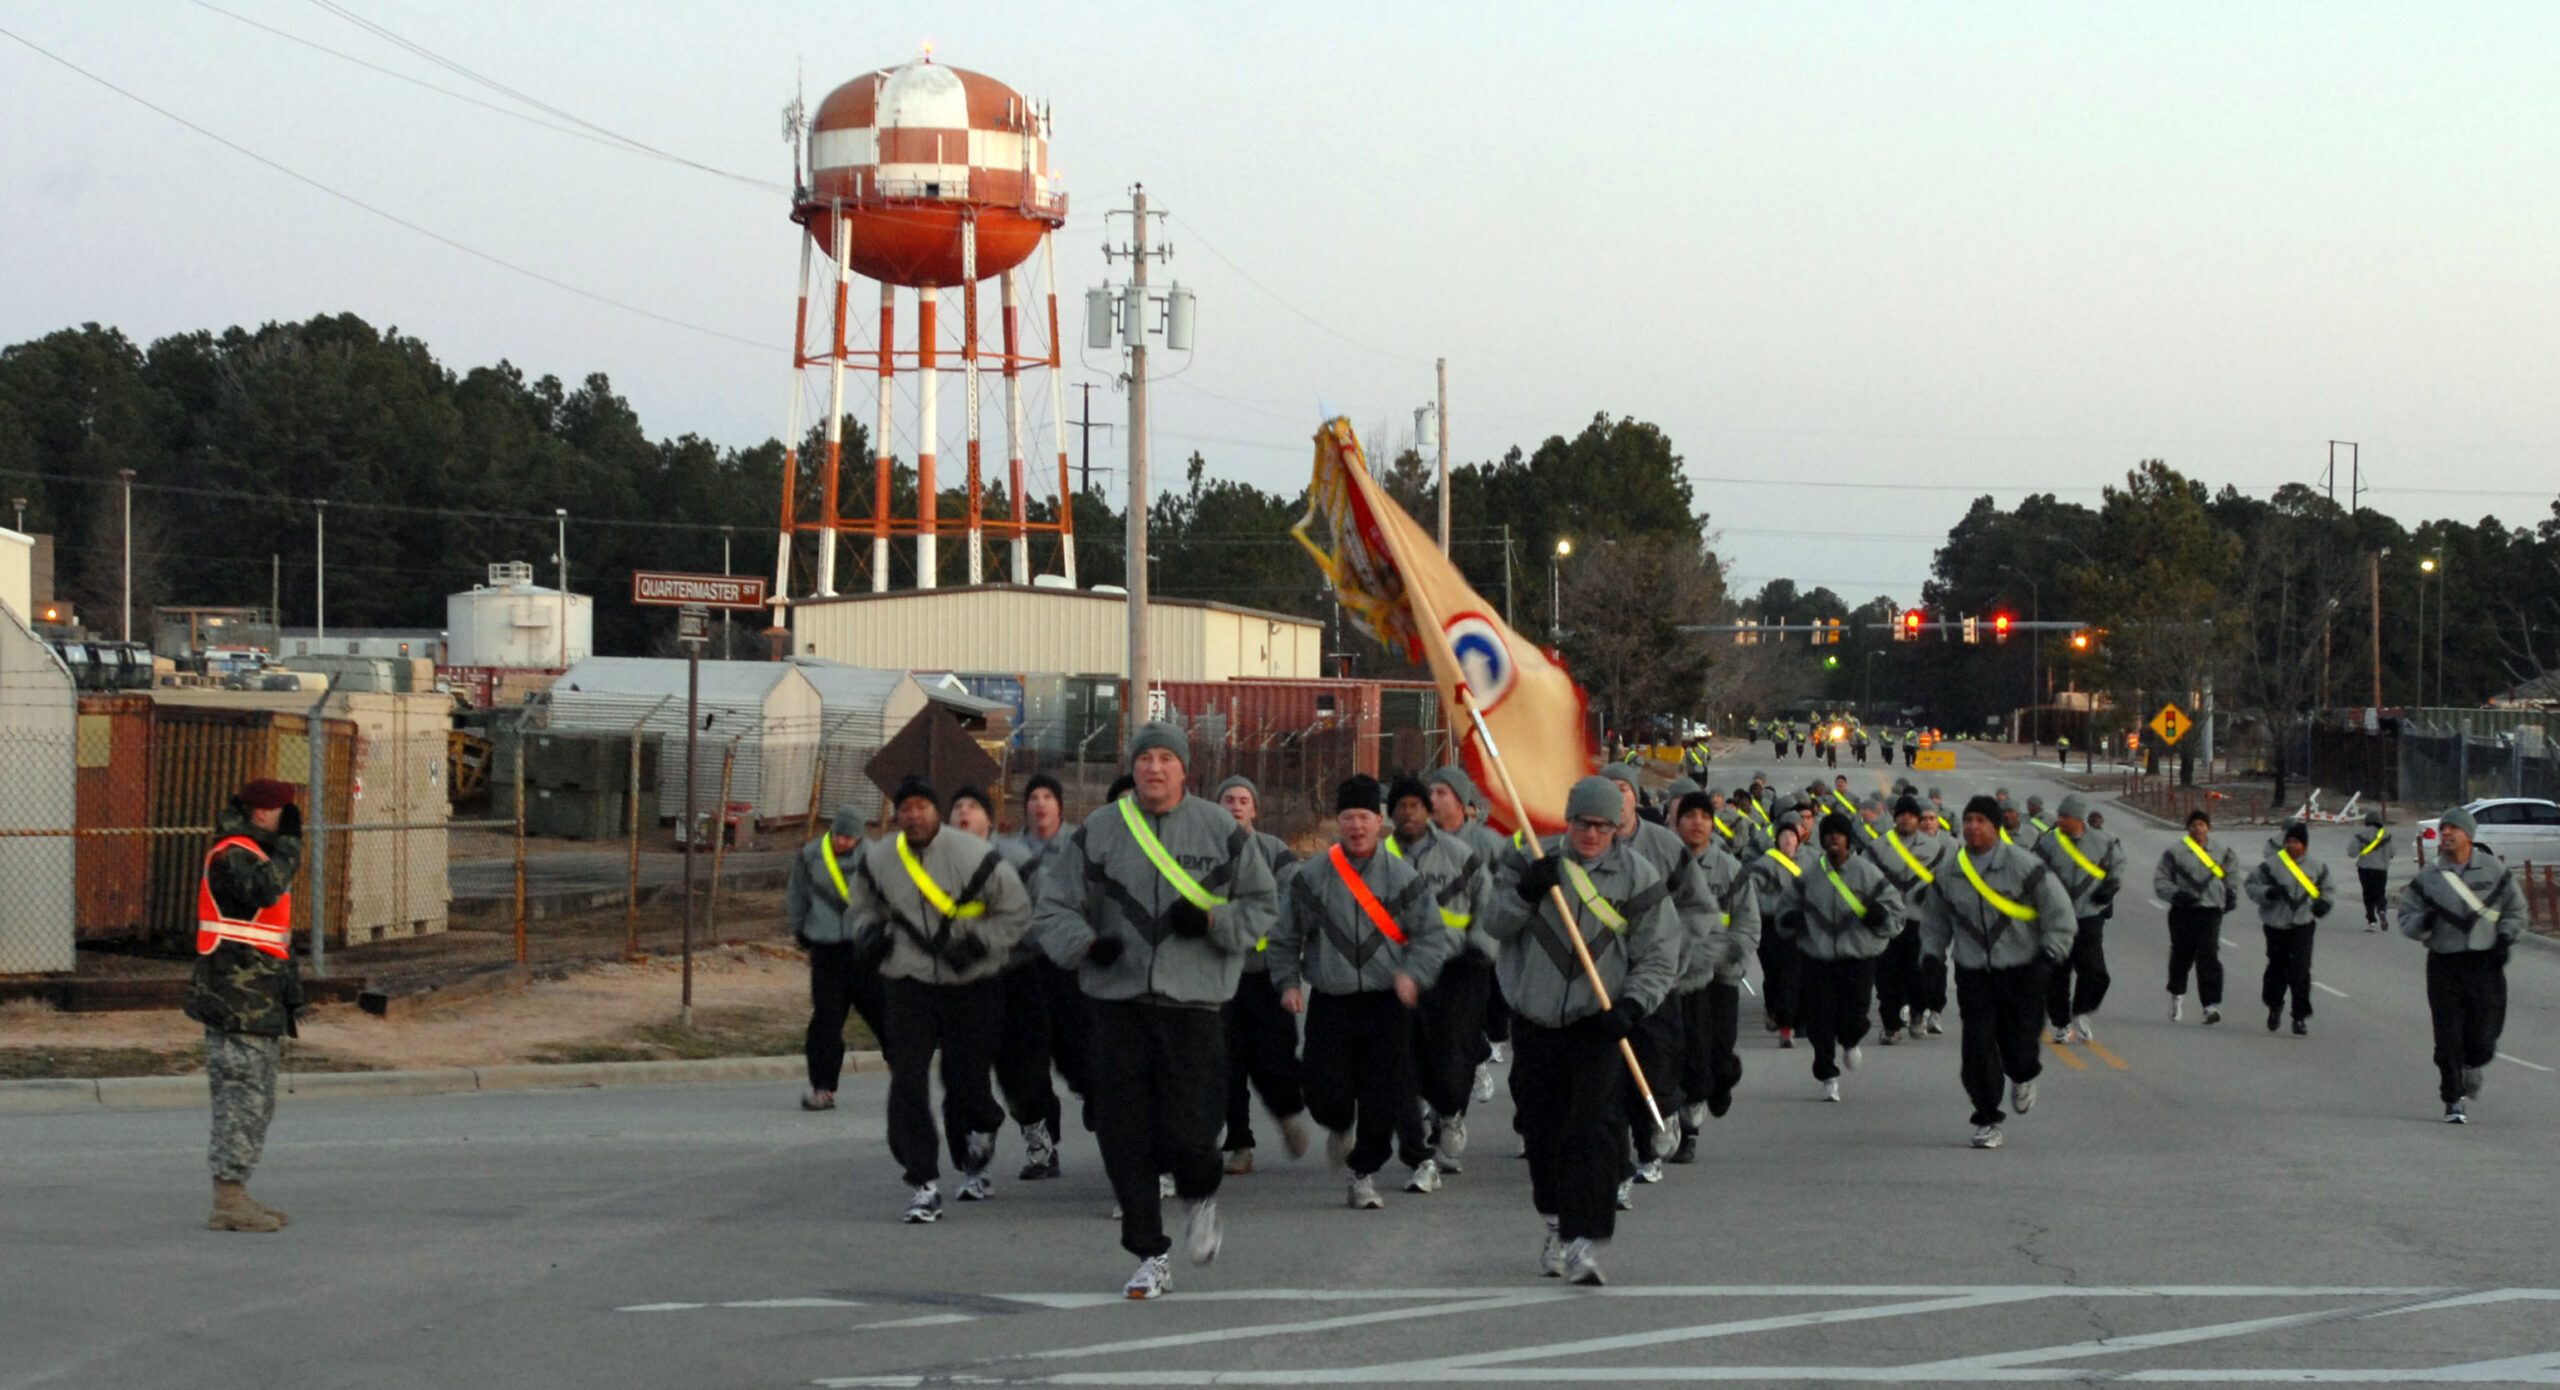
[267, 794]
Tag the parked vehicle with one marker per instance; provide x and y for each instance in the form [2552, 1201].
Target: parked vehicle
[2518, 829]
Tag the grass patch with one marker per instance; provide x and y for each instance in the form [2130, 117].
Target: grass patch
[83, 1063]
[738, 1032]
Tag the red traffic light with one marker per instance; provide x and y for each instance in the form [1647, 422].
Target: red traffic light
[1911, 624]
[2000, 627]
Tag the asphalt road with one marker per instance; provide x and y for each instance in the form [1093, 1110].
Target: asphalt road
[2205, 1205]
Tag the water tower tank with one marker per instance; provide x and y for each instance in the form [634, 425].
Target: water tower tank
[908, 153]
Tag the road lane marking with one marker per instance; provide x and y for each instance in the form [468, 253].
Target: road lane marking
[2325, 989]
[1071, 1301]
[2105, 1346]
[749, 1303]
[1283, 1329]
[928, 1320]
[2064, 1053]
[2230, 945]
[1473, 1362]
[2109, 1058]
[2519, 1061]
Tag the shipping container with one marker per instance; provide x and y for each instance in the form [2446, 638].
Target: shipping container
[39, 723]
[114, 773]
[205, 745]
[398, 885]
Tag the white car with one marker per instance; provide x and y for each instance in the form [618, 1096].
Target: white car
[2518, 829]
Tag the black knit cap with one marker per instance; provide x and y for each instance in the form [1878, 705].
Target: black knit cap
[1043, 782]
[1694, 801]
[1907, 806]
[1840, 825]
[1358, 792]
[1985, 807]
[976, 794]
[1403, 787]
[913, 786]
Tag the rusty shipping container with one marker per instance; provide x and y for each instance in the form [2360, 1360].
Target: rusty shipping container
[201, 754]
[113, 761]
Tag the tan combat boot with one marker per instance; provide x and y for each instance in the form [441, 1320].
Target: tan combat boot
[276, 1212]
[233, 1211]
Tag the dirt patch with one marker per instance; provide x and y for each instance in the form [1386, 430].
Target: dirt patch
[749, 1000]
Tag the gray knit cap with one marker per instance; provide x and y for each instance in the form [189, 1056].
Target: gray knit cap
[847, 822]
[1623, 772]
[1158, 733]
[1595, 797]
[2075, 806]
[2459, 819]
[1456, 779]
[1239, 780]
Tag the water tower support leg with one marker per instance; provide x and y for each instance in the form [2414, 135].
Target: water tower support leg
[880, 440]
[1020, 544]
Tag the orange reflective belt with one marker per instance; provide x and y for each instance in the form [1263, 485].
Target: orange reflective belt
[269, 932]
[1368, 901]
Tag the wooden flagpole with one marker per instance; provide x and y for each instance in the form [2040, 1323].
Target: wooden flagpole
[1573, 926]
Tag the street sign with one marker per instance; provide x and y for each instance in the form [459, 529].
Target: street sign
[693, 624]
[667, 590]
[2171, 724]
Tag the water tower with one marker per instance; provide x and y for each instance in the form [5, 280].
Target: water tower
[928, 179]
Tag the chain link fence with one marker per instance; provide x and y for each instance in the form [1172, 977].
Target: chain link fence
[2449, 766]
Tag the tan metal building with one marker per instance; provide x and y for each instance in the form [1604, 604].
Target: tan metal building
[1011, 627]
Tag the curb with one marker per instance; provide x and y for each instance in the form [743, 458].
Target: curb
[71, 1095]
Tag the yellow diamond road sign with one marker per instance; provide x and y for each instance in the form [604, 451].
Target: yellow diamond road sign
[2171, 724]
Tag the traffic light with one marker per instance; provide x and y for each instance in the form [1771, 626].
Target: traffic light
[1972, 630]
[2080, 641]
[1911, 626]
[1833, 634]
[1831, 662]
[2000, 627]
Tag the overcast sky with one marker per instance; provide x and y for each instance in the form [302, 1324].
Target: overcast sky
[1924, 250]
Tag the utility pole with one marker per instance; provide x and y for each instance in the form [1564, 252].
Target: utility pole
[319, 569]
[1135, 310]
[561, 514]
[127, 475]
[2373, 574]
[1443, 365]
[1086, 427]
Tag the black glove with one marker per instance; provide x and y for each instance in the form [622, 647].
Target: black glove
[1623, 1018]
[1873, 916]
[870, 947]
[1104, 950]
[1536, 879]
[965, 951]
[289, 824]
[2106, 892]
[2182, 898]
[1188, 919]
[800, 938]
[2322, 907]
[2230, 900]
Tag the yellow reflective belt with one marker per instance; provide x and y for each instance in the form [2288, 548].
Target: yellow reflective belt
[1894, 838]
[2077, 857]
[1589, 892]
[2004, 838]
[827, 851]
[2373, 843]
[2015, 910]
[932, 891]
[2190, 842]
[2298, 875]
[1856, 908]
[1720, 825]
[1845, 804]
[1792, 866]
[1154, 849]
[1391, 846]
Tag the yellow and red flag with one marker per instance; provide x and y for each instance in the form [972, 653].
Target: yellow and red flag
[1400, 589]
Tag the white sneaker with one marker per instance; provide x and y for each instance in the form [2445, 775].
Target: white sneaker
[2061, 1035]
[1551, 1254]
[1204, 1233]
[1986, 1136]
[1484, 1083]
[2177, 1007]
[1496, 1059]
[1831, 1090]
[1164, 1186]
[1426, 1178]
[1363, 1194]
[974, 1187]
[924, 1208]
[1523, 1150]
[1627, 1195]
[1296, 1135]
[1667, 1138]
[1337, 1147]
[2212, 1014]
[2022, 1096]
[2085, 1028]
[1453, 1136]
[1850, 1060]
[1582, 1265]
[1891, 1035]
[1154, 1278]
[1649, 1171]
[1935, 1028]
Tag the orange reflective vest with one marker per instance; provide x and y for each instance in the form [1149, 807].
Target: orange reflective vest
[270, 932]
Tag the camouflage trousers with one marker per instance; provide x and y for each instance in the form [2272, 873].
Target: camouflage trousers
[241, 1069]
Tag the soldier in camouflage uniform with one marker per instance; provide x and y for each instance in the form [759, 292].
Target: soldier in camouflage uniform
[246, 989]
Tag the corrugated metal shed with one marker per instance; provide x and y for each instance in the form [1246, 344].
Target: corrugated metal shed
[1006, 627]
[39, 733]
[862, 707]
[768, 710]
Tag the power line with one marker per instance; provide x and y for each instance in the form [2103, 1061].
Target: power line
[609, 141]
[395, 219]
[1192, 230]
[397, 508]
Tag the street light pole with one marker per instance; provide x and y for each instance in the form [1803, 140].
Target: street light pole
[127, 475]
[2426, 566]
[1555, 591]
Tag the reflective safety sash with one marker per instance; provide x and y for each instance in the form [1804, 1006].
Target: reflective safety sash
[1793, 868]
[2299, 876]
[827, 851]
[1376, 910]
[1720, 825]
[942, 902]
[1845, 804]
[2077, 857]
[2016, 911]
[2190, 842]
[1450, 918]
[1157, 855]
[1856, 907]
[269, 931]
[1589, 893]
[2041, 827]
[2004, 838]
[2470, 899]
[1894, 838]
[2374, 843]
